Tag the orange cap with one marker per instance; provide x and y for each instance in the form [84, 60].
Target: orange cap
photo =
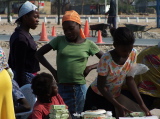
[73, 16]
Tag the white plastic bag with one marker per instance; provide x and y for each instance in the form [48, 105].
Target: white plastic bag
[137, 69]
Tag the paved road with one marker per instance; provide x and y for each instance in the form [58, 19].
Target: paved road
[148, 42]
[145, 42]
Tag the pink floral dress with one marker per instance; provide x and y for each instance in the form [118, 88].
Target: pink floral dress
[115, 74]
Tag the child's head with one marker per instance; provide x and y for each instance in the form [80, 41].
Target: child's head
[28, 14]
[123, 40]
[44, 87]
[71, 24]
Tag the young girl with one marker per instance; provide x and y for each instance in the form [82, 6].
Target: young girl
[112, 71]
[73, 50]
[22, 45]
[46, 90]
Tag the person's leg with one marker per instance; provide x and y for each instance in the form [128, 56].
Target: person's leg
[28, 79]
[109, 21]
[73, 96]
[128, 94]
[148, 100]
[67, 93]
[94, 101]
[80, 94]
[114, 21]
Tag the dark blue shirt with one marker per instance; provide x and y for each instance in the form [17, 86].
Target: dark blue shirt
[22, 55]
[112, 9]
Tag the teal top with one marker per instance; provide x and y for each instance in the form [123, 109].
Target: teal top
[72, 59]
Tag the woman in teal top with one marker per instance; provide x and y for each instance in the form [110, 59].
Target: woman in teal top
[73, 50]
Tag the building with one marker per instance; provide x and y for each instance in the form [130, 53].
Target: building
[13, 5]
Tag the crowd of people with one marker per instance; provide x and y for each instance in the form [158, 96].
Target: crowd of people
[67, 84]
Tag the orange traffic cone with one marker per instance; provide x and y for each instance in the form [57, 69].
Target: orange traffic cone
[53, 31]
[86, 29]
[99, 38]
[43, 33]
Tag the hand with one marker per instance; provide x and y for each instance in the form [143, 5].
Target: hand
[145, 109]
[86, 71]
[106, 13]
[10, 72]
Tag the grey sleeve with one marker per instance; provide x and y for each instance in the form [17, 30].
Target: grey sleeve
[16, 91]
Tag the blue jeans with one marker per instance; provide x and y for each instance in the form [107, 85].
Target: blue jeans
[27, 80]
[112, 21]
[73, 96]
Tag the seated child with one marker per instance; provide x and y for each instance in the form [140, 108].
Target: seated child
[46, 90]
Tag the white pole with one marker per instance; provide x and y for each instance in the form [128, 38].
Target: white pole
[137, 19]
[128, 20]
[45, 20]
[11, 18]
[99, 19]
[147, 19]
[89, 20]
[105, 4]
[56, 19]
[116, 13]
[118, 19]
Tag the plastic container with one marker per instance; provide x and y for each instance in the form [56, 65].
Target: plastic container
[95, 114]
[109, 115]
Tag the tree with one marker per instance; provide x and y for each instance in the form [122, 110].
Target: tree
[8, 11]
[126, 7]
[82, 6]
[141, 5]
